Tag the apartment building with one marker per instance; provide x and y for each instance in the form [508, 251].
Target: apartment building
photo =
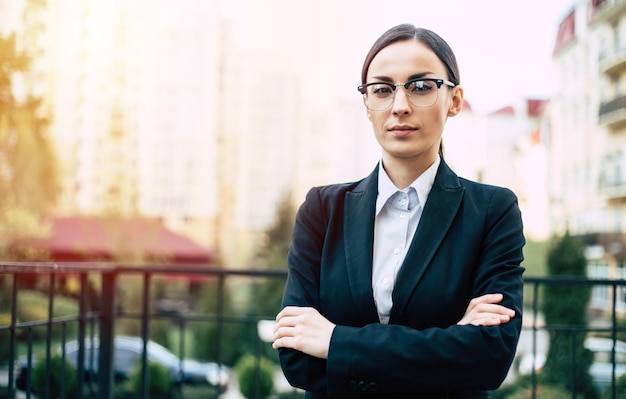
[132, 89]
[588, 135]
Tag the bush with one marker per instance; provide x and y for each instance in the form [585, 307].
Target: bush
[33, 306]
[543, 392]
[62, 377]
[160, 380]
[247, 368]
[566, 305]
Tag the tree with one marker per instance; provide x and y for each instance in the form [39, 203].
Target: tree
[28, 165]
[273, 255]
[566, 305]
[261, 299]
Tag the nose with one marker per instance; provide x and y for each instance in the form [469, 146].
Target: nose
[400, 104]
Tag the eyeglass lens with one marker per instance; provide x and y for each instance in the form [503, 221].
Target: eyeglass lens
[422, 93]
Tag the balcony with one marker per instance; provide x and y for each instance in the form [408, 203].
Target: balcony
[609, 10]
[612, 114]
[612, 182]
[613, 62]
[101, 313]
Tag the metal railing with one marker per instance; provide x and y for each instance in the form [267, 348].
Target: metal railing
[606, 321]
[101, 318]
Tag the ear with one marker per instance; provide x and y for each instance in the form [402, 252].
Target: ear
[456, 103]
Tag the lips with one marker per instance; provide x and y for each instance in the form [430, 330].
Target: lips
[401, 130]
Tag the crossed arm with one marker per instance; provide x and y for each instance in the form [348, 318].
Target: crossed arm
[306, 330]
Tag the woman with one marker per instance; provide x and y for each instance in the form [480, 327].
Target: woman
[406, 284]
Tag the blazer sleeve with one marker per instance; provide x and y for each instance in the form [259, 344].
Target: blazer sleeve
[302, 289]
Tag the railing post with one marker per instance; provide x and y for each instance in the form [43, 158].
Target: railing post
[13, 335]
[107, 336]
[82, 311]
[614, 338]
[145, 335]
[51, 292]
[533, 372]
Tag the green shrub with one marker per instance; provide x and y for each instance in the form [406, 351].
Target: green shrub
[33, 306]
[248, 369]
[160, 380]
[567, 305]
[543, 392]
[62, 377]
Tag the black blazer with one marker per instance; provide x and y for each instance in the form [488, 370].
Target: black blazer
[468, 243]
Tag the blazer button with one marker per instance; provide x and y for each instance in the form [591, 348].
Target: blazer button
[353, 385]
[372, 387]
[362, 386]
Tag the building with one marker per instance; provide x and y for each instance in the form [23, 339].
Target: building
[133, 91]
[588, 135]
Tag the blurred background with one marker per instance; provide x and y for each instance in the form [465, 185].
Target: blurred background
[207, 120]
[187, 133]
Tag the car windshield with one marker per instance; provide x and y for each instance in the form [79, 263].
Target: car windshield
[162, 355]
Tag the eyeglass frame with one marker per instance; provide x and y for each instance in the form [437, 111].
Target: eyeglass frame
[439, 82]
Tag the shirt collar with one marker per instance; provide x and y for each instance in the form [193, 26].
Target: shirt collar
[422, 184]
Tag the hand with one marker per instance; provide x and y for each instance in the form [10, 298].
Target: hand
[484, 311]
[303, 329]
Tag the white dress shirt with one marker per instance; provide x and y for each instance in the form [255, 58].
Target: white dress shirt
[397, 215]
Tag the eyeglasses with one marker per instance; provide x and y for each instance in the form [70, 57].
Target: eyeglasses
[422, 92]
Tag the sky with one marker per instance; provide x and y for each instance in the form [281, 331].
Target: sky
[503, 47]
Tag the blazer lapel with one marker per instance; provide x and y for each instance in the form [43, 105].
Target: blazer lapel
[441, 207]
[360, 206]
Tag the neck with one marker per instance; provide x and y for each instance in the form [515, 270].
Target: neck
[403, 172]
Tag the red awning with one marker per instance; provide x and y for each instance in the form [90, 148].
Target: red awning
[94, 238]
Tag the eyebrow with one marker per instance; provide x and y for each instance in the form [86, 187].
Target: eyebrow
[414, 76]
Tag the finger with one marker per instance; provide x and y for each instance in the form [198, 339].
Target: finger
[289, 311]
[284, 342]
[488, 298]
[492, 308]
[284, 332]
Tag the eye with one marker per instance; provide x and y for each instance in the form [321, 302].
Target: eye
[380, 90]
[421, 87]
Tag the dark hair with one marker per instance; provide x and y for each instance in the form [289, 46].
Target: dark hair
[429, 38]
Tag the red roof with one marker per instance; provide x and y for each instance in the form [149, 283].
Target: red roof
[536, 107]
[508, 110]
[566, 32]
[94, 238]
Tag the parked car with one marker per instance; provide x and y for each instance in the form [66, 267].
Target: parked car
[128, 352]
[601, 369]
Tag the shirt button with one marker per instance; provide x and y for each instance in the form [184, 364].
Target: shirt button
[402, 215]
[385, 280]
[396, 251]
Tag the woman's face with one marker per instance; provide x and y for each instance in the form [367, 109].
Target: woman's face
[406, 132]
